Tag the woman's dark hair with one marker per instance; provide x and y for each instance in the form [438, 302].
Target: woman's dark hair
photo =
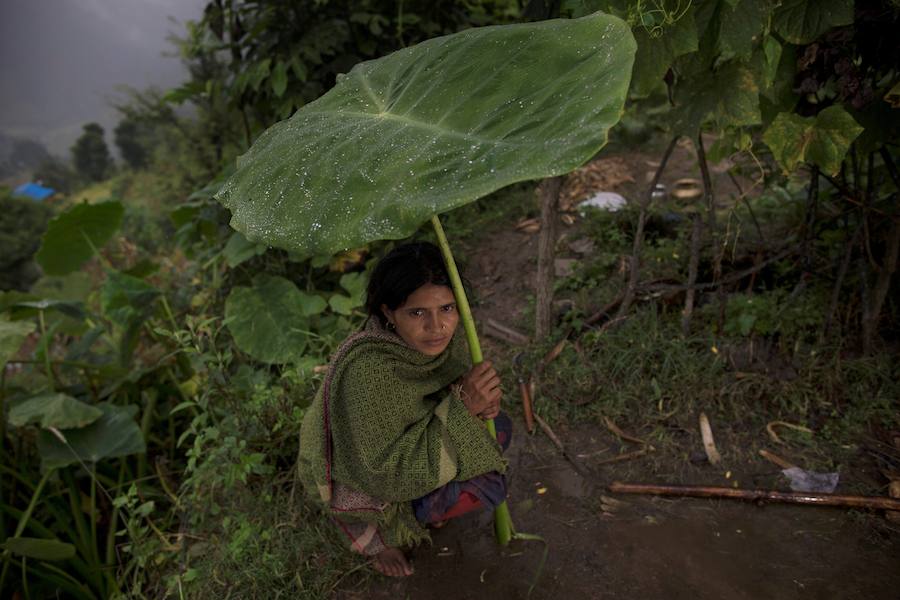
[401, 272]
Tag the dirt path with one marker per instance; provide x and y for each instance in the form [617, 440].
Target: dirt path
[642, 547]
[655, 549]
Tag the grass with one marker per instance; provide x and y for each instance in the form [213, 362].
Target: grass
[654, 383]
[269, 546]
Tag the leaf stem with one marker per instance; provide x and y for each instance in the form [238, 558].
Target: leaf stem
[503, 526]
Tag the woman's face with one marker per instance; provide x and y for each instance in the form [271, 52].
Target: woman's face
[427, 320]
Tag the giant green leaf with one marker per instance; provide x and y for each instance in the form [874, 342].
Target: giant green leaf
[430, 128]
[802, 21]
[822, 140]
[269, 321]
[114, 434]
[12, 334]
[38, 548]
[53, 410]
[72, 237]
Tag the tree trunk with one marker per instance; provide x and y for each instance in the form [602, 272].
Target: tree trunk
[543, 322]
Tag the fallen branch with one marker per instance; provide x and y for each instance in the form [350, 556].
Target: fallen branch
[872, 502]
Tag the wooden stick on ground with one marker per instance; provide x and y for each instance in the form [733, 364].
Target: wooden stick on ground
[772, 457]
[559, 445]
[809, 498]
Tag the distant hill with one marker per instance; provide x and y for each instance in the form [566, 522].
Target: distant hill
[20, 155]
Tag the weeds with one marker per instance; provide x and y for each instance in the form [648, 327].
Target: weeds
[649, 379]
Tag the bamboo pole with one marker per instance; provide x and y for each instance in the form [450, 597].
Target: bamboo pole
[503, 527]
[811, 498]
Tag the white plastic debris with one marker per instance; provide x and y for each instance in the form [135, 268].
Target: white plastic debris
[610, 201]
[810, 481]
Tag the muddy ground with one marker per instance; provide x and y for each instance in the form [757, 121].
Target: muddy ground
[603, 545]
[643, 547]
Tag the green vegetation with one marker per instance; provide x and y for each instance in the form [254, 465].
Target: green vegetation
[20, 231]
[155, 377]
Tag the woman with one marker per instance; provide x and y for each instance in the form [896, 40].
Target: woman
[395, 438]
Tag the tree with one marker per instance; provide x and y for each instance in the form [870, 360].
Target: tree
[254, 63]
[90, 154]
[128, 136]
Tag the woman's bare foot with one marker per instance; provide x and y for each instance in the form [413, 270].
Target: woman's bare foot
[392, 563]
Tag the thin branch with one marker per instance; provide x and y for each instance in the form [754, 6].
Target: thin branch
[634, 271]
[743, 196]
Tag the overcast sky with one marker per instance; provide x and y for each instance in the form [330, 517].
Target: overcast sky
[61, 61]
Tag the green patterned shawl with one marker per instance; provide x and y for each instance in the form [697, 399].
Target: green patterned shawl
[385, 429]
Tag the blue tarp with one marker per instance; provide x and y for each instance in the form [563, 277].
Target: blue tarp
[33, 191]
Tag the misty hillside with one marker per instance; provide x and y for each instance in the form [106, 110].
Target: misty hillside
[18, 155]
